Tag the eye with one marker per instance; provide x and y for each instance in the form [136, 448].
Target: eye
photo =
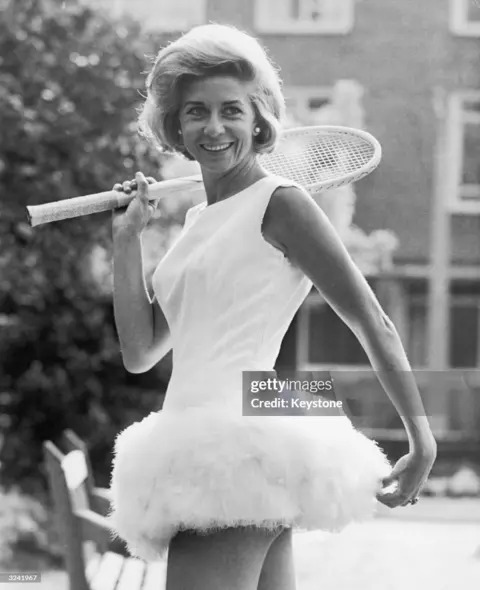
[232, 110]
[195, 111]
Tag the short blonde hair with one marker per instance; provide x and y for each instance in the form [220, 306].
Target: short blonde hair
[210, 50]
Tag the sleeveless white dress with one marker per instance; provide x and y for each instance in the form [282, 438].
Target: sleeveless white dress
[229, 297]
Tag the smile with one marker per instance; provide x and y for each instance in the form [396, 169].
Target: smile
[221, 147]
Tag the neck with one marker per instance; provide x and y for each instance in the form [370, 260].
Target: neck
[221, 186]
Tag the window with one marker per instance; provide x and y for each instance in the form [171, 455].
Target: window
[465, 332]
[465, 152]
[303, 17]
[324, 340]
[304, 104]
[465, 17]
[416, 337]
[464, 340]
[162, 15]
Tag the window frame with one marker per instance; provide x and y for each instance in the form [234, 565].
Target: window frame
[314, 299]
[455, 300]
[457, 117]
[303, 341]
[303, 94]
[458, 19]
[291, 28]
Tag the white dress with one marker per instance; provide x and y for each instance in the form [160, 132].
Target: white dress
[229, 297]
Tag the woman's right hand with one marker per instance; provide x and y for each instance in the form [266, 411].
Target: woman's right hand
[139, 211]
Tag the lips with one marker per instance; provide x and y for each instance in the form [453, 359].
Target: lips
[214, 148]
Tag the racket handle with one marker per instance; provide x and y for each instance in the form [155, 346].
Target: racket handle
[107, 201]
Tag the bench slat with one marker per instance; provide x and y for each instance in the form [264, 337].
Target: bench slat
[109, 572]
[132, 575]
[92, 566]
[156, 576]
[75, 468]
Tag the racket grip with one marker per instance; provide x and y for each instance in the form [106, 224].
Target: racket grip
[106, 201]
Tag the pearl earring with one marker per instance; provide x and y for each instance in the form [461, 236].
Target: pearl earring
[256, 131]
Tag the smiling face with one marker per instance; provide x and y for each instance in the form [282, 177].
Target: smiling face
[217, 121]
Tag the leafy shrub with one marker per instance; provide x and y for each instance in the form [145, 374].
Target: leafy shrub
[27, 533]
[70, 80]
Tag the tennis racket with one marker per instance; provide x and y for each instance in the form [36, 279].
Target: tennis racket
[317, 158]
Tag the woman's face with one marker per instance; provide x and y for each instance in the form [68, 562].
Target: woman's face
[217, 121]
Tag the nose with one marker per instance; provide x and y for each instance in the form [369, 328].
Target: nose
[214, 126]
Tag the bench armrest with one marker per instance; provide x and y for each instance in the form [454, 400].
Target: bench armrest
[100, 500]
[94, 527]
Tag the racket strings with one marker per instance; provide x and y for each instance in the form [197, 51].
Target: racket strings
[311, 160]
[317, 158]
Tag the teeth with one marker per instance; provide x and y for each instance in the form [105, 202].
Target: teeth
[216, 148]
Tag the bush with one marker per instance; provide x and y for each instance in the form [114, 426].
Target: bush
[69, 83]
[27, 534]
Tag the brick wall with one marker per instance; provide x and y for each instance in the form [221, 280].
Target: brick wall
[399, 51]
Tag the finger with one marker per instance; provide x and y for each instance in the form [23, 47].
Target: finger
[142, 186]
[393, 499]
[117, 187]
[126, 186]
[389, 480]
[151, 180]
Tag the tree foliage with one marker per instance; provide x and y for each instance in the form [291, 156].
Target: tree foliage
[70, 80]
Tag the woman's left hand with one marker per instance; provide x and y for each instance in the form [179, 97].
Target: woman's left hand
[410, 473]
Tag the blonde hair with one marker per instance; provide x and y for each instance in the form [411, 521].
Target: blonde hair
[210, 50]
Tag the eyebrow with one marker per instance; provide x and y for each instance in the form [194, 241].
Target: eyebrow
[199, 102]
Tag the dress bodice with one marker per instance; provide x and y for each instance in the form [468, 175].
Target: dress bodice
[228, 296]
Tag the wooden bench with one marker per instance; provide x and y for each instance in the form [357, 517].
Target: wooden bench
[93, 561]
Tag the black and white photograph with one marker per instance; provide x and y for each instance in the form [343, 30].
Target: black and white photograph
[240, 294]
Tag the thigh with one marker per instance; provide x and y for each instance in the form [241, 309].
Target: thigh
[278, 571]
[229, 558]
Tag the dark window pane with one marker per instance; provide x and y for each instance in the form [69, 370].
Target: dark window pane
[470, 104]
[465, 287]
[318, 102]
[463, 336]
[417, 334]
[473, 11]
[471, 154]
[331, 340]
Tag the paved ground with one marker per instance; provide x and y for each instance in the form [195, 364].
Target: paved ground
[439, 549]
[391, 555]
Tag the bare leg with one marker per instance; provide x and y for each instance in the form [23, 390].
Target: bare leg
[278, 571]
[228, 559]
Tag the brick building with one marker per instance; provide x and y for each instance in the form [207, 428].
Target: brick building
[419, 66]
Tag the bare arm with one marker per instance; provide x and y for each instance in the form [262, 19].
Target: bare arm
[296, 224]
[141, 325]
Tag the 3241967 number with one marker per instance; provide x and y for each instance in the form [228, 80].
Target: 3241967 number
[23, 577]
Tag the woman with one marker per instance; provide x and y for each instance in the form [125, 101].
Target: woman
[220, 490]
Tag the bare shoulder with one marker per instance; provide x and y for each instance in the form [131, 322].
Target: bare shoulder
[290, 199]
[309, 240]
[293, 219]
